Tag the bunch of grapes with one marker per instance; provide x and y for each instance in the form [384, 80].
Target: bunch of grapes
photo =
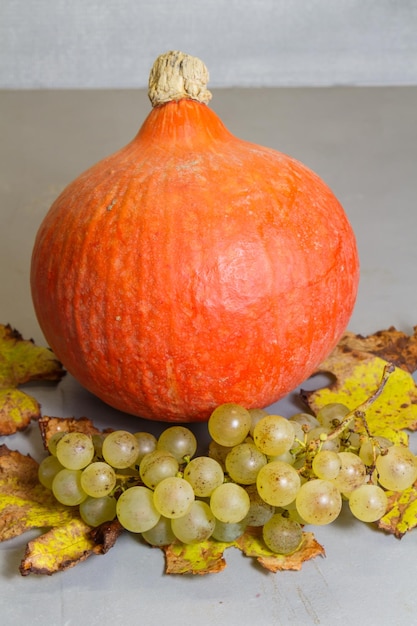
[260, 470]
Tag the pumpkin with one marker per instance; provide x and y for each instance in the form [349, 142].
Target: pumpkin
[192, 268]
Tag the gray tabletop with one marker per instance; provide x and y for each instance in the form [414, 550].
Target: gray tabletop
[363, 143]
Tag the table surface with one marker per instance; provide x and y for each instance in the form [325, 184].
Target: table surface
[363, 143]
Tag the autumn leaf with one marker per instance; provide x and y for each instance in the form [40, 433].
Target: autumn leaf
[357, 373]
[401, 515]
[207, 557]
[25, 504]
[21, 361]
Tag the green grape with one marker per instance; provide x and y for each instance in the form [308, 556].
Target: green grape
[156, 466]
[321, 433]
[48, 469]
[318, 502]
[229, 503]
[147, 443]
[161, 534]
[278, 483]
[282, 535]
[204, 475]
[305, 420]
[136, 511]
[96, 511]
[227, 532]
[98, 479]
[196, 525]
[120, 449]
[332, 414]
[371, 448]
[97, 439]
[229, 424]
[368, 503]
[244, 462]
[397, 468]
[256, 415]
[219, 453]
[259, 510]
[66, 487]
[75, 450]
[287, 457]
[274, 435]
[53, 440]
[326, 464]
[352, 472]
[178, 440]
[173, 497]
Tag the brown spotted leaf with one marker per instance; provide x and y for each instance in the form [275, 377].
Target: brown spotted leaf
[401, 515]
[207, 557]
[21, 361]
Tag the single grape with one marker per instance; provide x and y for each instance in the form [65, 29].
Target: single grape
[96, 511]
[332, 414]
[274, 435]
[321, 433]
[326, 464]
[147, 443]
[397, 468]
[97, 439]
[178, 440]
[282, 535]
[229, 503]
[120, 449]
[278, 483]
[156, 466]
[287, 457]
[244, 462]
[259, 510]
[318, 502]
[173, 497]
[352, 472]
[204, 475]
[227, 532]
[53, 440]
[161, 534]
[196, 525]
[75, 450]
[98, 479]
[368, 503]
[136, 511]
[371, 448]
[48, 469]
[229, 424]
[305, 420]
[256, 415]
[66, 487]
[219, 453]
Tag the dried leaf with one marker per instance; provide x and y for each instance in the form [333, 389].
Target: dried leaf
[401, 515]
[48, 426]
[357, 374]
[21, 361]
[208, 557]
[59, 549]
[252, 545]
[25, 504]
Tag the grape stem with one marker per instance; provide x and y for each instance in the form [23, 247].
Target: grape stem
[358, 413]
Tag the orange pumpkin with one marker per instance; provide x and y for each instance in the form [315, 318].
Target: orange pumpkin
[192, 268]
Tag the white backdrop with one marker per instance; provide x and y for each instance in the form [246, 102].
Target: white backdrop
[112, 43]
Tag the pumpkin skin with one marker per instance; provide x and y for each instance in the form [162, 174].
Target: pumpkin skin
[192, 268]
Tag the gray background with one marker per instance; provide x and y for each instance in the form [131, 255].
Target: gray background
[112, 43]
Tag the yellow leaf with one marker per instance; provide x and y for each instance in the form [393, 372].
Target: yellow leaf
[21, 361]
[59, 549]
[401, 515]
[357, 375]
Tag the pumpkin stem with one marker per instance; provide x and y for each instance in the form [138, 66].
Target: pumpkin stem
[176, 75]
